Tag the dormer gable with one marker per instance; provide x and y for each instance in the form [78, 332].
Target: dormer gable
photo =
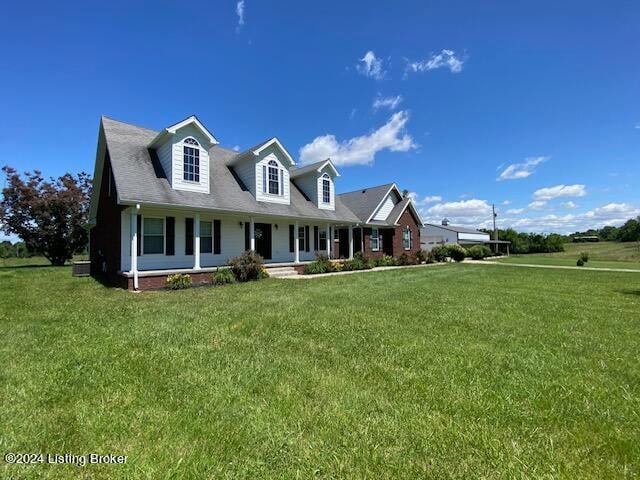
[390, 200]
[183, 152]
[264, 169]
[317, 181]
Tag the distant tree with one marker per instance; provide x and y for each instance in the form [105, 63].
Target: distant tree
[630, 231]
[49, 216]
[405, 193]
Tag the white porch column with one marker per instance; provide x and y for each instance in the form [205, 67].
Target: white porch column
[134, 247]
[252, 235]
[362, 240]
[350, 241]
[196, 240]
[296, 243]
[329, 240]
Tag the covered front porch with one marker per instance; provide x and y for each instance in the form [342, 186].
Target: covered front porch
[157, 242]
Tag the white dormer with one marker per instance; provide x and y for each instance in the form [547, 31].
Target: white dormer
[389, 201]
[183, 152]
[317, 182]
[264, 170]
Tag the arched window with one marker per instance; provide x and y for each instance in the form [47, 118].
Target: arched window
[191, 159]
[407, 239]
[326, 188]
[273, 177]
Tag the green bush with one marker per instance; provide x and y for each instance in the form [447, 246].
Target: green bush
[584, 256]
[247, 267]
[320, 265]
[223, 277]
[385, 261]
[179, 281]
[420, 257]
[430, 258]
[359, 262]
[580, 262]
[440, 253]
[456, 252]
[404, 259]
[478, 252]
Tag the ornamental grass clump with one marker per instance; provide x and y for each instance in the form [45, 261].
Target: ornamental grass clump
[179, 281]
[223, 277]
[320, 265]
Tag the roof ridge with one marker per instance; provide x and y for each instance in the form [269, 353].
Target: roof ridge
[367, 188]
[128, 123]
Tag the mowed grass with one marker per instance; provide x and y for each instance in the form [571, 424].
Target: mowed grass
[455, 371]
[601, 255]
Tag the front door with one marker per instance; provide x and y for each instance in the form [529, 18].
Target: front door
[387, 241]
[343, 243]
[357, 240]
[263, 240]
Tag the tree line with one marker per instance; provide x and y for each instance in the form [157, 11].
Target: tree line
[628, 232]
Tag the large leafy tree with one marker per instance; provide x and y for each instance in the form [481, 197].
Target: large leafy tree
[50, 216]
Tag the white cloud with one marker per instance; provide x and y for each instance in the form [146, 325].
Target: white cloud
[521, 170]
[559, 191]
[461, 211]
[236, 148]
[444, 59]
[609, 214]
[425, 200]
[387, 102]
[507, 202]
[569, 205]
[537, 204]
[240, 12]
[363, 149]
[371, 66]
[353, 113]
[515, 211]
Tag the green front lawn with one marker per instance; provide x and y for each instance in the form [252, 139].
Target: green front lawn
[459, 371]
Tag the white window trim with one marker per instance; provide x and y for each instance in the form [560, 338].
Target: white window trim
[212, 235]
[197, 147]
[302, 236]
[376, 238]
[164, 237]
[325, 178]
[321, 232]
[410, 237]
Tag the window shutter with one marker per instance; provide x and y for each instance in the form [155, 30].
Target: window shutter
[316, 240]
[188, 236]
[247, 236]
[306, 238]
[264, 179]
[140, 233]
[171, 236]
[291, 238]
[216, 237]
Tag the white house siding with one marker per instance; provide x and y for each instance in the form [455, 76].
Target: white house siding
[473, 237]
[308, 185]
[272, 153]
[246, 171]
[177, 170]
[386, 207]
[447, 236]
[165, 156]
[231, 240]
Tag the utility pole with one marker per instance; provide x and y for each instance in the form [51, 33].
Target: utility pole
[495, 230]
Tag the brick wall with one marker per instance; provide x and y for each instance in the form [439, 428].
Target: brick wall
[158, 282]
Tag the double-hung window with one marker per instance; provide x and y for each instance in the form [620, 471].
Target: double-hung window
[206, 237]
[375, 239]
[406, 238]
[322, 240]
[153, 235]
[191, 160]
[301, 238]
[273, 173]
[326, 189]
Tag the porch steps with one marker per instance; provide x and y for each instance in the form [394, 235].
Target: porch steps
[281, 272]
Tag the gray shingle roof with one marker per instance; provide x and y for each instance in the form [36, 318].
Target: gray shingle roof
[139, 179]
[364, 201]
[312, 167]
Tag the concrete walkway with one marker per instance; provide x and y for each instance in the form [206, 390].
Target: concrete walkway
[561, 267]
[375, 269]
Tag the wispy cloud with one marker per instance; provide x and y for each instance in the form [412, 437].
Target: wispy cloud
[371, 66]
[569, 205]
[444, 59]
[466, 212]
[537, 204]
[425, 200]
[507, 202]
[236, 148]
[387, 102]
[516, 171]
[559, 191]
[515, 211]
[240, 14]
[361, 150]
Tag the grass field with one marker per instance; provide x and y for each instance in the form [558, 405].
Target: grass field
[601, 255]
[456, 371]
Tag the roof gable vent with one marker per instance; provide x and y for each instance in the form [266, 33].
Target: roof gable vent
[445, 222]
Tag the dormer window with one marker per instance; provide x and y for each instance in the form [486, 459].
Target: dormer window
[191, 159]
[326, 189]
[272, 179]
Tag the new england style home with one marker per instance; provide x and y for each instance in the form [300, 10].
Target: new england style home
[175, 201]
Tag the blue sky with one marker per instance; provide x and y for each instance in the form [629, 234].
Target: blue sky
[533, 106]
